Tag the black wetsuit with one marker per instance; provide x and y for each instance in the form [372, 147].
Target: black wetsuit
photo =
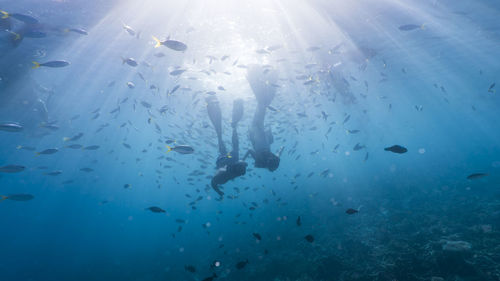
[261, 82]
[228, 165]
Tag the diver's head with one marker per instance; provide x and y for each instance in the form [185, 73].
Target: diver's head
[272, 162]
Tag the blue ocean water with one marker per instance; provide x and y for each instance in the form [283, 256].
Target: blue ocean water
[354, 78]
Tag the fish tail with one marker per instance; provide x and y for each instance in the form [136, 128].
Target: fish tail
[36, 65]
[37, 154]
[19, 147]
[422, 26]
[65, 139]
[2, 197]
[168, 149]
[66, 30]
[158, 42]
[5, 14]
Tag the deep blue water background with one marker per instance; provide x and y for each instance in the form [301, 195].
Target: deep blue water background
[410, 204]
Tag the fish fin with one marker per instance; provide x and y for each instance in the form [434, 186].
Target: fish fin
[36, 65]
[5, 14]
[168, 149]
[3, 197]
[19, 147]
[158, 42]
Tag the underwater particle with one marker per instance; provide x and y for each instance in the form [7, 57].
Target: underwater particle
[190, 268]
[476, 176]
[17, 197]
[12, 169]
[396, 149]
[11, 127]
[257, 236]
[182, 149]
[421, 150]
[47, 151]
[240, 265]
[52, 64]
[351, 211]
[309, 238]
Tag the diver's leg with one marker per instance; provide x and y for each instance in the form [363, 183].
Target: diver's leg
[262, 81]
[215, 115]
[237, 115]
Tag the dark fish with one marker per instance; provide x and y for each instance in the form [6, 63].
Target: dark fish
[74, 146]
[155, 209]
[358, 147]
[346, 119]
[48, 151]
[129, 61]
[309, 238]
[476, 176]
[409, 27]
[12, 169]
[211, 278]
[35, 34]
[396, 149]
[177, 72]
[171, 44]
[182, 149]
[17, 197]
[20, 17]
[241, 264]
[78, 30]
[351, 211]
[56, 63]
[491, 90]
[299, 222]
[29, 148]
[10, 127]
[257, 236]
[54, 173]
[74, 138]
[91, 147]
[190, 268]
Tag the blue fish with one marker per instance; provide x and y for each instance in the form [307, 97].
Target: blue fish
[56, 63]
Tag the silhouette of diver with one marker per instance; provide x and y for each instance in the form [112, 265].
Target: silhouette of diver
[228, 165]
[262, 81]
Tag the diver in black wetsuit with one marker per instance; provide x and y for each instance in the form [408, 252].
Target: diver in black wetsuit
[228, 165]
[262, 81]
